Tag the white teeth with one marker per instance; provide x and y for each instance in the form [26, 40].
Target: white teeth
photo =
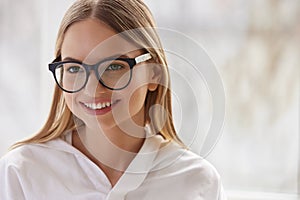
[99, 105]
[95, 106]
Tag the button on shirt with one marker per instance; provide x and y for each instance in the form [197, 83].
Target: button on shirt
[56, 170]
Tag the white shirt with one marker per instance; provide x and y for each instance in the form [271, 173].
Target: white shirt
[57, 170]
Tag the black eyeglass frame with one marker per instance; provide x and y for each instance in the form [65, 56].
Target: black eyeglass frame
[131, 62]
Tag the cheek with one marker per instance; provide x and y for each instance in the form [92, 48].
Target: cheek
[137, 100]
[137, 90]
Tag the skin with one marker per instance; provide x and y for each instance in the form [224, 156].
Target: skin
[104, 133]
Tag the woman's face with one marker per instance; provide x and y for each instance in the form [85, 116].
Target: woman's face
[88, 41]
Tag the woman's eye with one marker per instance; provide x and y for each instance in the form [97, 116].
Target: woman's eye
[114, 67]
[74, 69]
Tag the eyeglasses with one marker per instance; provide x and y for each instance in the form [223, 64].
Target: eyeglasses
[112, 73]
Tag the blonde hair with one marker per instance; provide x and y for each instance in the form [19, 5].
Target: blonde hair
[122, 16]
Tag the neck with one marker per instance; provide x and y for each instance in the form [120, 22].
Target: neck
[114, 147]
[121, 137]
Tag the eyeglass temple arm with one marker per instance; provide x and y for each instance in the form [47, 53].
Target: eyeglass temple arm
[143, 58]
[57, 59]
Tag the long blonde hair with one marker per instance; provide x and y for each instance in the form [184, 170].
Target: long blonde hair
[122, 16]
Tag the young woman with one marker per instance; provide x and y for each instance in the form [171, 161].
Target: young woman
[109, 134]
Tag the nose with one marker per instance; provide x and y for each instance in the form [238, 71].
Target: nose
[93, 86]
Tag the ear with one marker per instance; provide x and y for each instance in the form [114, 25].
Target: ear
[155, 76]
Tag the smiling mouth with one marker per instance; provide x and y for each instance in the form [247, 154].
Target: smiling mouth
[99, 106]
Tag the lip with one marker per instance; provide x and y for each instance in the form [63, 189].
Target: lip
[102, 111]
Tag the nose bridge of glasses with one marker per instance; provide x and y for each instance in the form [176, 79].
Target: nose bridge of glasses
[93, 76]
[91, 69]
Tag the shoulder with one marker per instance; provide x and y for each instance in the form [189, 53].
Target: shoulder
[17, 156]
[187, 172]
[172, 156]
[29, 155]
[34, 171]
[197, 164]
[198, 171]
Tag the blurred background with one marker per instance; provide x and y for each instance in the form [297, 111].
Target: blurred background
[255, 46]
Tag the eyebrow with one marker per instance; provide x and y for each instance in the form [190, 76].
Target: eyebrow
[111, 57]
[71, 59]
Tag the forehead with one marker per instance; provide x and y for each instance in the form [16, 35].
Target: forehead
[91, 40]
